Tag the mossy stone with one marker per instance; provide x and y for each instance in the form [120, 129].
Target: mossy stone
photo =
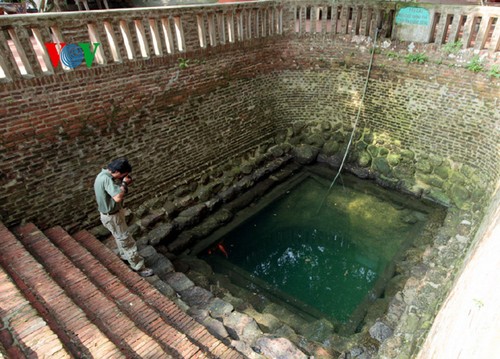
[337, 126]
[280, 136]
[381, 165]
[330, 148]
[407, 155]
[368, 138]
[460, 196]
[435, 160]
[295, 140]
[204, 193]
[388, 181]
[475, 179]
[276, 151]
[305, 154]
[235, 171]
[338, 136]
[364, 159]
[432, 180]
[439, 196]
[247, 168]
[315, 140]
[286, 147]
[442, 171]
[424, 166]
[383, 151]
[367, 135]
[458, 178]
[467, 171]
[405, 171]
[298, 127]
[435, 181]
[373, 150]
[361, 146]
[477, 195]
[394, 159]
[326, 126]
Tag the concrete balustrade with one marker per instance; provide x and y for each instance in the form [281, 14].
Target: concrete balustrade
[130, 34]
[475, 27]
[138, 34]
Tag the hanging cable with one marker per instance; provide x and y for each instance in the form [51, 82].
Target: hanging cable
[355, 122]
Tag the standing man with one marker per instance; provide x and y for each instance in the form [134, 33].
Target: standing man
[111, 186]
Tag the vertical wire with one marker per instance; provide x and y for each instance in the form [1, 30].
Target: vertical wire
[355, 122]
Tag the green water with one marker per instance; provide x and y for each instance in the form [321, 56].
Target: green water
[329, 259]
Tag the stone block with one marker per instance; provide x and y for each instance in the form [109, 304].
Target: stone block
[279, 348]
[178, 281]
[197, 297]
[242, 327]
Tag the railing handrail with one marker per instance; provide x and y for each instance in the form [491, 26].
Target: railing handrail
[141, 33]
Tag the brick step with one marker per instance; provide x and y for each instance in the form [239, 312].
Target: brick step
[144, 315]
[80, 336]
[23, 331]
[101, 309]
[168, 310]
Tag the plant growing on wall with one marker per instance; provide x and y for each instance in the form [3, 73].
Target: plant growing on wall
[416, 57]
[475, 64]
[453, 47]
[494, 72]
[183, 63]
[392, 54]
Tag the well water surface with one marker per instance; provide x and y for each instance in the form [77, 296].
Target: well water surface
[332, 260]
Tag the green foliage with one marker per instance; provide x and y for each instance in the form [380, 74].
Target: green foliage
[475, 64]
[453, 47]
[183, 63]
[392, 54]
[494, 72]
[416, 57]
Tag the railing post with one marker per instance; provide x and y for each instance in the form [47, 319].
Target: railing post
[441, 28]
[495, 38]
[454, 28]
[7, 60]
[468, 30]
[482, 34]
[26, 51]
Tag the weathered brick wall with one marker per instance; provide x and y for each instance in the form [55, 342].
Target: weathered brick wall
[177, 123]
[172, 123]
[430, 108]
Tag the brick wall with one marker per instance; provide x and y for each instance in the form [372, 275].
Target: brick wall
[176, 123]
[172, 123]
[430, 108]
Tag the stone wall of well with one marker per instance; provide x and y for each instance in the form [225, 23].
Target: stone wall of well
[428, 126]
[187, 93]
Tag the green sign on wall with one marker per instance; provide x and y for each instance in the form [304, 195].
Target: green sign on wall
[413, 16]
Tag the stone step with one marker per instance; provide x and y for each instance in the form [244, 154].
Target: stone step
[80, 336]
[167, 309]
[23, 330]
[145, 316]
[98, 306]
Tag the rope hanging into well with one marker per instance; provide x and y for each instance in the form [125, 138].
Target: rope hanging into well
[355, 122]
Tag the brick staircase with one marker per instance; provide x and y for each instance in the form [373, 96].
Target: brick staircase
[65, 296]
